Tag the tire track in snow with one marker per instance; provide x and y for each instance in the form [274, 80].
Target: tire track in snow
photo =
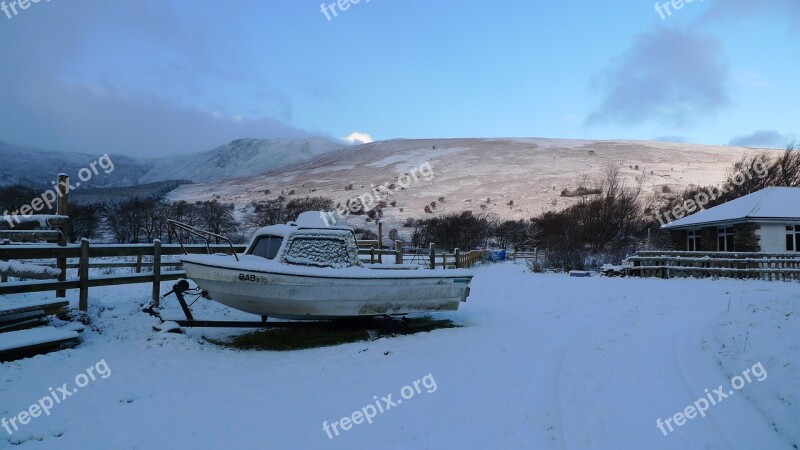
[734, 413]
[549, 382]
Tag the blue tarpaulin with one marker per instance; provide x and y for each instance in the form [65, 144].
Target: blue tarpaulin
[496, 255]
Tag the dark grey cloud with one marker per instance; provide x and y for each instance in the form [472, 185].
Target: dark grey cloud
[670, 76]
[761, 139]
[46, 100]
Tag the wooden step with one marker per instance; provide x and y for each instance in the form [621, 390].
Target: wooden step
[23, 343]
[20, 312]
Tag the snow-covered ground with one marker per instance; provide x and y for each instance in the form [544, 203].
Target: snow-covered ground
[541, 361]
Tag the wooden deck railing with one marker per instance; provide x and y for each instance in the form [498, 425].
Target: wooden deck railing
[671, 264]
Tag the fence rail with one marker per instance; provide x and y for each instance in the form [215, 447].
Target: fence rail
[761, 266]
[85, 252]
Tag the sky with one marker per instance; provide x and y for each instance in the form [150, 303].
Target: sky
[157, 77]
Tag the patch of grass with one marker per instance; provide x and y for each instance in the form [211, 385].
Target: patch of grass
[284, 339]
[292, 339]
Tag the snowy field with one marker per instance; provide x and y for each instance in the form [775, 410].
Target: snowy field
[541, 361]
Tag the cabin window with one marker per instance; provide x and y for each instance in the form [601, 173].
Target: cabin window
[692, 239]
[725, 239]
[267, 246]
[319, 251]
[793, 238]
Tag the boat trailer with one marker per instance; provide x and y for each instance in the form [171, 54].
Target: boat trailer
[384, 323]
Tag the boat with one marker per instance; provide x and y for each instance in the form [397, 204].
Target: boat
[306, 270]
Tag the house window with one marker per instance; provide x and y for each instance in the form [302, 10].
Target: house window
[725, 239]
[692, 240]
[793, 238]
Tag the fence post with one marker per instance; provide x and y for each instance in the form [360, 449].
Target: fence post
[372, 255]
[4, 277]
[380, 241]
[433, 257]
[63, 209]
[83, 276]
[138, 264]
[457, 255]
[398, 247]
[157, 271]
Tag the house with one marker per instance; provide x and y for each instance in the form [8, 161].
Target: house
[764, 221]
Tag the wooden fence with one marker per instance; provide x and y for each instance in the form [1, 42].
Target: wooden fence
[85, 252]
[671, 264]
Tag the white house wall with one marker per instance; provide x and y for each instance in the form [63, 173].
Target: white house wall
[773, 237]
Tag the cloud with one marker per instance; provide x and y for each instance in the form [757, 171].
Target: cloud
[359, 138]
[761, 139]
[670, 76]
[135, 78]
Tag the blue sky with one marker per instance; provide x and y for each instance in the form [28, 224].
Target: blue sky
[160, 77]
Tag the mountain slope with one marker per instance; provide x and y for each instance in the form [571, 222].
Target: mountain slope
[480, 175]
[38, 167]
[240, 158]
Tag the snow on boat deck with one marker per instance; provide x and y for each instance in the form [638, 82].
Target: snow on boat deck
[542, 361]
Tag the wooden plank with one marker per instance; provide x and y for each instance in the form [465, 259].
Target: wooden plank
[63, 210]
[712, 261]
[25, 287]
[37, 306]
[720, 270]
[156, 271]
[18, 344]
[30, 235]
[117, 280]
[380, 241]
[28, 271]
[9, 252]
[715, 255]
[122, 265]
[23, 323]
[110, 250]
[83, 276]
[398, 248]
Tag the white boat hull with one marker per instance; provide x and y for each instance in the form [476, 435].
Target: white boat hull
[312, 296]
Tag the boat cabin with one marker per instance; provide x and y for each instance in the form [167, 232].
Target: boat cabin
[306, 243]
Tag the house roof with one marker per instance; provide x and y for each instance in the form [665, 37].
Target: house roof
[773, 204]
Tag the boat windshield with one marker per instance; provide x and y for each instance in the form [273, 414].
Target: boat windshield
[338, 251]
[267, 246]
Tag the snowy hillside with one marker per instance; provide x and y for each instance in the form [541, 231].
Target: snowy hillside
[34, 166]
[538, 363]
[481, 175]
[240, 158]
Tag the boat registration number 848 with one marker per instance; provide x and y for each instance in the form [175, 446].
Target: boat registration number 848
[250, 277]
